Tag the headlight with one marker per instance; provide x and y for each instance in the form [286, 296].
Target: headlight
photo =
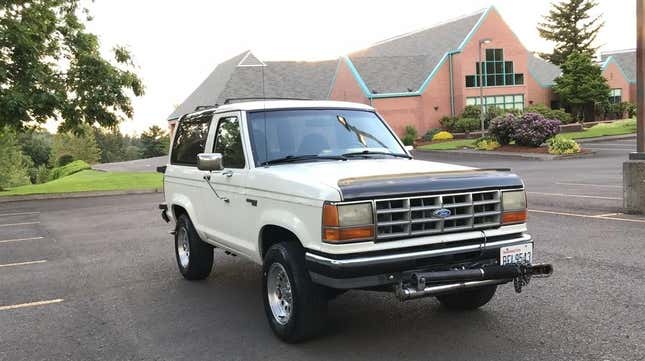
[355, 214]
[514, 207]
[347, 222]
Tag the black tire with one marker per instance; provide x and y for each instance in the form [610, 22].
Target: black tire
[308, 307]
[469, 299]
[200, 256]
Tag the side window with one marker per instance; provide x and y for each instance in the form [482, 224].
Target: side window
[190, 140]
[228, 141]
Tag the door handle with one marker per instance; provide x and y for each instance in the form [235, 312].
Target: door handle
[228, 173]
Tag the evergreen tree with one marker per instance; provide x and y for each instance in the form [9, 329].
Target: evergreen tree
[154, 142]
[571, 28]
[581, 84]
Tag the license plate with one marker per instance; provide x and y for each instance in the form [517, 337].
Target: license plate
[516, 254]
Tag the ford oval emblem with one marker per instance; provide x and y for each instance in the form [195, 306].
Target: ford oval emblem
[442, 213]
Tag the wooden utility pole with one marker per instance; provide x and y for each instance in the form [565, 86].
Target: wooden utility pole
[640, 78]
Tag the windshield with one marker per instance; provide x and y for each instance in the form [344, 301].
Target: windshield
[328, 133]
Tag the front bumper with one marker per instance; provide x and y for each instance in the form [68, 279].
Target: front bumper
[383, 268]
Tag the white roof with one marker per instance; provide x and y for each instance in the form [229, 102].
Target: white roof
[285, 104]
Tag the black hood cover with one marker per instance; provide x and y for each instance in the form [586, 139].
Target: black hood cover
[405, 185]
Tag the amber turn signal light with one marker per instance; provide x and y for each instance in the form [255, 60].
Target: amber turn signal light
[330, 215]
[343, 235]
[514, 217]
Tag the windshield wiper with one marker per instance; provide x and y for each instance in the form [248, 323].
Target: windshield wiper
[369, 152]
[296, 158]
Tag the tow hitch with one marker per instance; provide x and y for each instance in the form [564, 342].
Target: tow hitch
[423, 284]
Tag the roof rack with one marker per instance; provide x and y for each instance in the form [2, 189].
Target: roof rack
[232, 100]
[202, 107]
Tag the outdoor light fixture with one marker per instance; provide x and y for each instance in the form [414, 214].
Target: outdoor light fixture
[481, 82]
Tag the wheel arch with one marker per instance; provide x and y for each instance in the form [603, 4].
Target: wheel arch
[271, 234]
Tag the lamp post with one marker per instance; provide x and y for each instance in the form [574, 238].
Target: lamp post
[481, 82]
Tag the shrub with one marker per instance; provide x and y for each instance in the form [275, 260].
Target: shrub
[448, 123]
[408, 139]
[467, 125]
[64, 160]
[562, 145]
[430, 133]
[630, 108]
[471, 111]
[557, 114]
[42, 174]
[443, 135]
[486, 143]
[502, 128]
[533, 129]
[411, 130]
[69, 169]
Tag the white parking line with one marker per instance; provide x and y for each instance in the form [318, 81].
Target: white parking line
[23, 263]
[18, 214]
[574, 196]
[599, 216]
[30, 304]
[20, 239]
[587, 185]
[614, 149]
[18, 224]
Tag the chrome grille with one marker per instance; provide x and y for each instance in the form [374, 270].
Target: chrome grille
[401, 217]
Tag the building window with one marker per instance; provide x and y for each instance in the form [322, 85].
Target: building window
[496, 71]
[515, 101]
[615, 96]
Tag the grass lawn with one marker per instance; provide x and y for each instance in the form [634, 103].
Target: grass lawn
[620, 127]
[450, 145]
[91, 180]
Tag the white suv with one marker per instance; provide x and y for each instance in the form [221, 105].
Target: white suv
[326, 198]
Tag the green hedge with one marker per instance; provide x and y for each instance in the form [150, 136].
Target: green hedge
[68, 169]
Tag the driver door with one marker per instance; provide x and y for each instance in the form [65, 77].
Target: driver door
[226, 225]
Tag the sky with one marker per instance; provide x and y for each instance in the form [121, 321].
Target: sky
[176, 44]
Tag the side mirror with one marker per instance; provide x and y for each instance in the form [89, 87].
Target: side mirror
[209, 161]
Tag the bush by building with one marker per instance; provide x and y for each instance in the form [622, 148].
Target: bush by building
[533, 129]
[562, 145]
[443, 135]
[486, 143]
[430, 133]
[467, 125]
[502, 128]
[548, 113]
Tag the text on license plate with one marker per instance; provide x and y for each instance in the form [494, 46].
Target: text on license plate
[516, 254]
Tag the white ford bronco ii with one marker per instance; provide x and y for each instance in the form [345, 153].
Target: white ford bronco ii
[325, 198]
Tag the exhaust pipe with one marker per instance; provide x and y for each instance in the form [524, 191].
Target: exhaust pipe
[423, 284]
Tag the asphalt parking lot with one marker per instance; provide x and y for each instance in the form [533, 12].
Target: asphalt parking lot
[95, 278]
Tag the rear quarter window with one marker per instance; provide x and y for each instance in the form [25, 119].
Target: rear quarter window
[190, 140]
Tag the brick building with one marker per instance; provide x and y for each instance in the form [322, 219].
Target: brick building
[415, 78]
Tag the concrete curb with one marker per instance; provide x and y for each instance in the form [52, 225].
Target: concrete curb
[30, 197]
[511, 155]
[610, 137]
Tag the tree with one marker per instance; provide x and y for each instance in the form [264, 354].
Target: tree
[51, 68]
[154, 142]
[111, 143]
[581, 84]
[570, 26]
[36, 144]
[80, 146]
[13, 164]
